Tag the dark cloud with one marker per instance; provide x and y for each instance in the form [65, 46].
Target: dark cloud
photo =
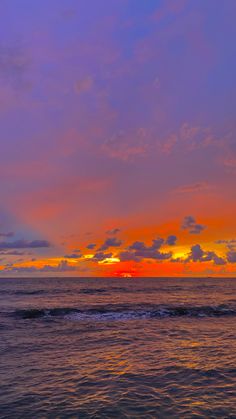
[140, 246]
[137, 246]
[110, 242]
[127, 255]
[157, 243]
[155, 254]
[91, 246]
[138, 255]
[63, 266]
[171, 240]
[99, 256]
[219, 260]
[24, 244]
[73, 256]
[190, 224]
[231, 256]
[197, 254]
[138, 251]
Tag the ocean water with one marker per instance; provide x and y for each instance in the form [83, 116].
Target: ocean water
[118, 348]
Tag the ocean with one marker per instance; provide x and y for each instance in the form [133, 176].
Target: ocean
[117, 348]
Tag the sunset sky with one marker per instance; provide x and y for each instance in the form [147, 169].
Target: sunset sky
[118, 147]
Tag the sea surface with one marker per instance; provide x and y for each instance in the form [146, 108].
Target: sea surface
[117, 348]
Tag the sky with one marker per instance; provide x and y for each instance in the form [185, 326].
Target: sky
[118, 147]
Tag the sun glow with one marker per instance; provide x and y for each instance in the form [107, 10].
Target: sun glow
[89, 256]
[109, 261]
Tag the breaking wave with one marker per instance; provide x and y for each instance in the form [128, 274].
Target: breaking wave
[124, 313]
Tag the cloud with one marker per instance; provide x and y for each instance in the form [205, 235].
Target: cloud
[138, 251]
[14, 253]
[124, 146]
[171, 240]
[91, 246]
[197, 254]
[168, 144]
[218, 260]
[194, 187]
[99, 256]
[63, 266]
[191, 138]
[127, 255]
[156, 244]
[73, 256]
[138, 255]
[137, 246]
[231, 241]
[230, 244]
[24, 244]
[231, 256]
[113, 231]
[189, 223]
[110, 242]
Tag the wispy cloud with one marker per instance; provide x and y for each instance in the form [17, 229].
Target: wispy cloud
[24, 244]
[126, 146]
[194, 187]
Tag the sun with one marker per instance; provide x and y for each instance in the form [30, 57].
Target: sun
[126, 275]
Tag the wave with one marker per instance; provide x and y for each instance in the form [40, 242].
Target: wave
[129, 290]
[124, 313]
[22, 292]
[89, 291]
[93, 291]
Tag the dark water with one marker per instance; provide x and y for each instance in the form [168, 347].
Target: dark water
[122, 348]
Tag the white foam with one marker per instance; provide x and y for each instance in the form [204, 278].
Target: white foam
[111, 316]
